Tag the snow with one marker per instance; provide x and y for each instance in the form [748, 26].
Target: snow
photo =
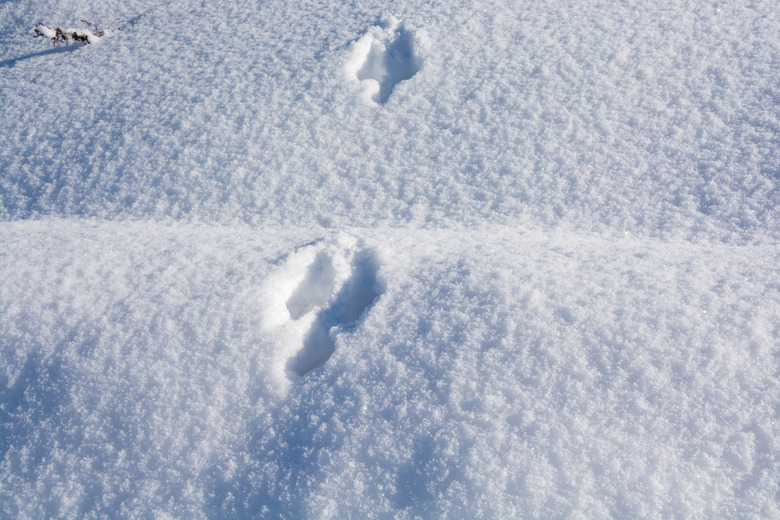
[47, 32]
[503, 260]
[382, 58]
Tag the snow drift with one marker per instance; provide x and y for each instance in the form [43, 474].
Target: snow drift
[324, 260]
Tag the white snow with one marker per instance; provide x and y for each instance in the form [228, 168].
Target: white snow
[48, 32]
[382, 58]
[352, 260]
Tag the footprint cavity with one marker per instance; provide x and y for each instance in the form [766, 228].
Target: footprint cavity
[383, 57]
[316, 287]
[339, 287]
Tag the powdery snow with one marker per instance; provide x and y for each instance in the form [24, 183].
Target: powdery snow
[505, 260]
[656, 119]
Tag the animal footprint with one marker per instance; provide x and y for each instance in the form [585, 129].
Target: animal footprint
[352, 300]
[315, 289]
[382, 58]
[330, 287]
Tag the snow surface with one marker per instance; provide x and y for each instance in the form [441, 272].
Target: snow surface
[340, 260]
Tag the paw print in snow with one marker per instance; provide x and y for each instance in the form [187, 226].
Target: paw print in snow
[320, 292]
[382, 58]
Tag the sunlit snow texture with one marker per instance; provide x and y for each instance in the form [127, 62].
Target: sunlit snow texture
[398, 260]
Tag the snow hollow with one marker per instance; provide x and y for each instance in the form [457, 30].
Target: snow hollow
[352, 260]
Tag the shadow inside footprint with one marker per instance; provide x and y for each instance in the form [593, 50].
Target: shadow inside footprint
[357, 295]
[390, 64]
[315, 289]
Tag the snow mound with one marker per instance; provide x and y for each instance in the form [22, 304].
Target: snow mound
[152, 370]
